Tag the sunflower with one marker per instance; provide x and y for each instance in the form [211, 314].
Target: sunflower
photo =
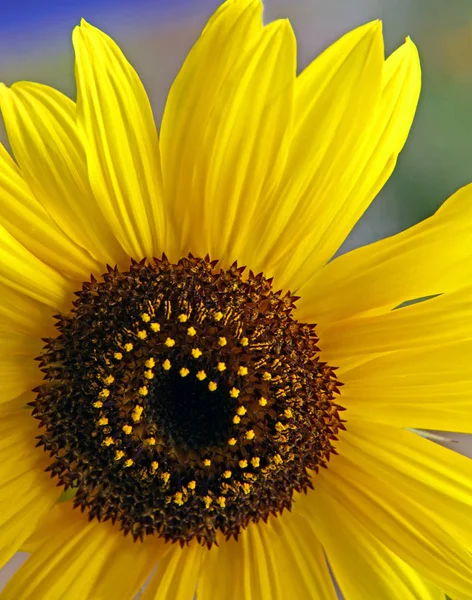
[192, 393]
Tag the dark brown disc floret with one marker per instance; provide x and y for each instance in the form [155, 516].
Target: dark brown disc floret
[182, 400]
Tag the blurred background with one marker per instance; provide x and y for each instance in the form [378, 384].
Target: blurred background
[35, 44]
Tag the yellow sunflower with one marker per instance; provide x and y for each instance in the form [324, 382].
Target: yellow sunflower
[169, 409]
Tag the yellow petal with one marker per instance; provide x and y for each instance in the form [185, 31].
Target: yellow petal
[25, 273]
[225, 129]
[422, 388]
[431, 474]
[251, 562]
[441, 320]
[336, 103]
[362, 565]
[21, 314]
[24, 217]
[41, 126]
[120, 139]
[413, 532]
[427, 259]
[18, 374]
[26, 491]
[176, 576]
[74, 558]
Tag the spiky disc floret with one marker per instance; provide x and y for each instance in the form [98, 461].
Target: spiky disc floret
[181, 400]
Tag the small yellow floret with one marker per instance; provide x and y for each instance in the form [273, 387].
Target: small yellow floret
[108, 380]
[165, 477]
[150, 363]
[266, 376]
[127, 429]
[241, 410]
[243, 463]
[118, 355]
[103, 421]
[178, 498]
[145, 317]
[196, 352]
[232, 441]
[150, 441]
[246, 488]
[221, 501]
[154, 466]
[221, 366]
[207, 500]
[218, 316]
[166, 364]
[104, 393]
[234, 392]
[212, 386]
[242, 371]
[192, 485]
[137, 412]
[222, 341]
[191, 331]
[278, 459]
[108, 441]
[149, 374]
[262, 401]
[169, 342]
[98, 404]
[143, 391]
[280, 427]
[128, 347]
[288, 413]
[250, 435]
[128, 462]
[244, 341]
[207, 462]
[201, 375]
[182, 318]
[236, 419]
[155, 327]
[119, 454]
[255, 461]
[227, 474]
[184, 372]
[142, 335]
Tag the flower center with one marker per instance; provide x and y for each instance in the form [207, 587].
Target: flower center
[184, 400]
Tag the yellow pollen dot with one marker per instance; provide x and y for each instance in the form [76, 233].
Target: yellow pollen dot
[250, 435]
[150, 441]
[243, 463]
[108, 380]
[166, 364]
[242, 371]
[150, 363]
[191, 331]
[278, 459]
[108, 441]
[280, 427]
[196, 352]
[143, 391]
[227, 474]
[155, 327]
[169, 342]
[136, 414]
[145, 317]
[165, 477]
[236, 419]
[232, 441]
[207, 462]
[119, 454]
[201, 375]
[178, 498]
[118, 355]
[127, 429]
[255, 461]
[266, 376]
[222, 341]
[142, 335]
[103, 421]
[98, 404]
[234, 392]
[262, 401]
[149, 374]
[192, 485]
[241, 410]
[207, 501]
[212, 386]
[246, 488]
[128, 462]
[184, 372]
[221, 501]
[244, 341]
[128, 347]
[221, 366]
[104, 393]
[154, 466]
[218, 316]
[182, 318]
[288, 413]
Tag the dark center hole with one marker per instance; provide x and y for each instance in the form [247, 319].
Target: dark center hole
[190, 413]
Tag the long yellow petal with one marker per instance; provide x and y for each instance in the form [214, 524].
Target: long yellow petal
[21, 314]
[18, 374]
[413, 532]
[24, 217]
[422, 388]
[252, 564]
[176, 576]
[226, 128]
[427, 259]
[441, 320]
[120, 139]
[362, 565]
[41, 125]
[25, 273]
[26, 491]
[74, 558]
